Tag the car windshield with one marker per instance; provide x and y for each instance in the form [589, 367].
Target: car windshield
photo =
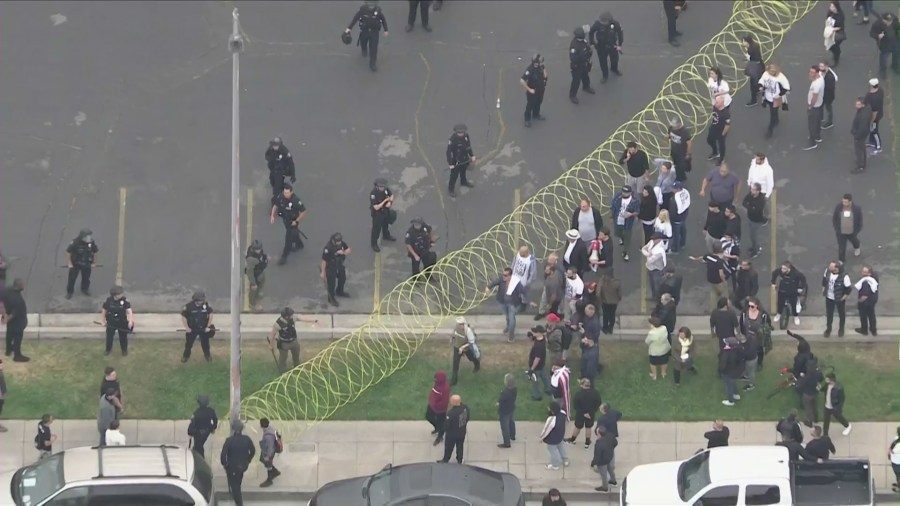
[378, 489]
[693, 476]
[37, 482]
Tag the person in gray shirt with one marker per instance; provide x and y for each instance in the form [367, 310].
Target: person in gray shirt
[106, 413]
[724, 187]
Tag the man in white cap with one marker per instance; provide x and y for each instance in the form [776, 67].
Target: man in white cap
[875, 101]
[463, 341]
[576, 253]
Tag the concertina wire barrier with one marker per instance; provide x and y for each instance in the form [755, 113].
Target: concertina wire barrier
[414, 310]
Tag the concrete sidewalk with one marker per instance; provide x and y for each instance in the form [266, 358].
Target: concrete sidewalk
[331, 326]
[331, 451]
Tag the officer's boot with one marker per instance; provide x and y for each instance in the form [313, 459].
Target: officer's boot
[333, 301]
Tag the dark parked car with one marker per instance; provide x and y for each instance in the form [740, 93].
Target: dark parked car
[424, 484]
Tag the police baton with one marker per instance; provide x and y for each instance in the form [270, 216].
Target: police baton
[91, 266]
[272, 351]
[126, 330]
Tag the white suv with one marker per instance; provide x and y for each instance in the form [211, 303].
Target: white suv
[112, 476]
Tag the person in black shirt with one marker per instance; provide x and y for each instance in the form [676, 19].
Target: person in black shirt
[755, 204]
[820, 447]
[534, 80]
[680, 147]
[256, 262]
[580, 54]
[116, 316]
[795, 449]
[715, 226]
[553, 498]
[886, 32]
[203, 423]
[331, 268]
[371, 20]
[789, 425]
[380, 200]
[197, 317]
[585, 403]
[422, 5]
[755, 67]
[874, 100]
[15, 316]
[111, 383]
[419, 241]
[459, 157]
[607, 37]
[719, 124]
[288, 206]
[723, 323]
[537, 358]
[746, 284]
[506, 410]
[829, 94]
[455, 429]
[671, 283]
[809, 385]
[716, 271]
[237, 453]
[281, 165]
[718, 436]
[732, 222]
[82, 257]
[43, 441]
[638, 165]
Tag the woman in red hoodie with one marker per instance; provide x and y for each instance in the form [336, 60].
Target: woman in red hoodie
[438, 399]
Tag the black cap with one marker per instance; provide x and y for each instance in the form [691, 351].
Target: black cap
[626, 189]
[579, 33]
[276, 141]
[287, 312]
[540, 329]
[460, 128]
[381, 182]
[417, 221]
[116, 290]
[337, 236]
[199, 296]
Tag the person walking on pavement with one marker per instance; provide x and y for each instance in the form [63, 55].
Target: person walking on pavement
[731, 368]
[534, 80]
[859, 130]
[197, 318]
[624, 209]
[203, 423]
[655, 252]
[506, 410]
[836, 287]
[791, 289]
[604, 458]
[719, 125]
[585, 403]
[455, 429]
[831, 79]
[716, 271]
[284, 337]
[82, 257]
[834, 405]
[423, 6]
[867, 292]
[237, 453]
[269, 446]
[672, 8]
[755, 67]
[288, 206]
[510, 296]
[438, 399]
[718, 87]
[637, 164]
[746, 284]
[15, 317]
[371, 20]
[256, 262]
[755, 204]
[874, 100]
[756, 325]
[761, 172]
[847, 220]
[331, 267]
[575, 254]
[106, 413]
[281, 165]
[610, 295]
[809, 384]
[678, 212]
[814, 102]
[554, 292]
[648, 210]
[463, 342]
[459, 157]
[607, 37]
[553, 435]
[586, 219]
[537, 362]
[380, 201]
[715, 226]
[886, 33]
[775, 87]
[724, 186]
[580, 54]
[681, 147]
[834, 30]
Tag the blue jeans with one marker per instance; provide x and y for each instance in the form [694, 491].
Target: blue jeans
[679, 236]
[510, 311]
[542, 377]
[558, 454]
[508, 427]
[730, 387]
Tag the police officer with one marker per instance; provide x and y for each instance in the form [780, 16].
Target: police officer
[237, 453]
[380, 201]
[116, 316]
[422, 5]
[284, 336]
[459, 156]
[203, 423]
[288, 206]
[534, 80]
[197, 317]
[332, 270]
[256, 263]
[419, 239]
[281, 165]
[580, 63]
[672, 8]
[371, 20]
[606, 36]
[82, 256]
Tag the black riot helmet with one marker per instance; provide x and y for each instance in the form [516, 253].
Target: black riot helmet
[460, 128]
[256, 245]
[116, 291]
[346, 38]
[287, 312]
[336, 237]
[417, 222]
[537, 60]
[275, 142]
[85, 235]
[199, 296]
[381, 182]
[579, 33]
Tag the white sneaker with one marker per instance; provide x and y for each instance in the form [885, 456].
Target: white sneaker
[848, 429]
[796, 320]
[737, 397]
[727, 403]
[552, 467]
[856, 252]
[777, 317]
[566, 463]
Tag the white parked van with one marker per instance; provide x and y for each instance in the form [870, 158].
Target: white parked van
[749, 475]
[112, 476]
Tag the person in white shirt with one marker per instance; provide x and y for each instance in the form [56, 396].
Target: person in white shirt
[775, 87]
[761, 172]
[655, 251]
[718, 87]
[894, 456]
[836, 287]
[814, 101]
[113, 436]
[524, 269]
[663, 227]
[574, 291]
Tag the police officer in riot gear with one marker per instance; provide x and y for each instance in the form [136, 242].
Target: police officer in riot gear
[281, 165]
[197, 317]
[371, 20]
[580, 63]
[256, 263]
[82, 256]
[287, 205]
[203, 423]
[459, 156]
[332, 270]
[116, 316]
[419, 240]
[606, 36]
[284, 336]
[534, 80]
[380, 201]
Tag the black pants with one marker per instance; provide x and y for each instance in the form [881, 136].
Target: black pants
[835, 50]
[790, 298]
[436, 420]
[423, 6]
[451, 442]
[457, 357]
[580, 75]
[85, 272]
[773, 119]
[533, 103]
[189, 337]
[671, 19]
[123, 339]
[426, 260]
[458, 171]
[14, 340]
[292, 240]
[276, 181]
[841, 306]
[859, 152]
[379, 226]
[200, 441]
[866, 318]
[368, 42]
[716, 142]
[235, 479]
[842, 244]
[609, 316]
[753, 85]
[814, 124]
[874, 135]
[894, 55]
[335, 277]
[682, 165]
[828, 108]
[609, 60]
[838, 414]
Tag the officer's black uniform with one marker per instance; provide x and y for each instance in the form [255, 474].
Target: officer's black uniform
[237, 453]
[203, 423]
[371, 20]
[606, 36]
[197, 313]
[289, 208]
[580, 63]
[418, 239]
[258, 259]
[455, 432]
[333, 267]
[281, 165]
[459, 156]
[422, 5]
[382, 217]
[671, 8]
[82, 255]
[286, 339]
[535, 77]
[115, 310]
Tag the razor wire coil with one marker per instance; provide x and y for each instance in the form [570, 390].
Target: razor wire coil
[413, 311]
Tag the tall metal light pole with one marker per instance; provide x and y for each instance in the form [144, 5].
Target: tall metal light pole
[236, 44]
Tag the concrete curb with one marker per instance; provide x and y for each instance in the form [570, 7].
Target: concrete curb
[334, 326]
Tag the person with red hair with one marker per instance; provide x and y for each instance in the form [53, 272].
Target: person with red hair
[438, 399]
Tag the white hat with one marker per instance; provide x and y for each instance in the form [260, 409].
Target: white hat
[573, 234]
[460, 320]
[873, 82]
